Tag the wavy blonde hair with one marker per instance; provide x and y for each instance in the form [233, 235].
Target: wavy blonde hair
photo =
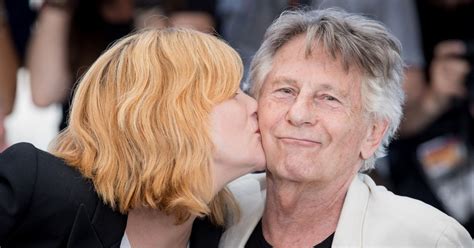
[139, 126]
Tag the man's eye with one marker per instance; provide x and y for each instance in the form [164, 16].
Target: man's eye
[329, 98]
[285, 90]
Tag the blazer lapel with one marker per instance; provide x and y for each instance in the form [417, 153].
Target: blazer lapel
[250, 194]
[82, 233]
[109, 225]
[104, 229]
[349, 231]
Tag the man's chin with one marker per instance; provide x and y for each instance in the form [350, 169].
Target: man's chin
[296, 175]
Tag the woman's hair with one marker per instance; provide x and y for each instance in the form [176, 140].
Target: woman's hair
[360, 43]
[139, 126]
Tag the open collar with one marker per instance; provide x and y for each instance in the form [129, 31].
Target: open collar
[250, 194]
[350, 227]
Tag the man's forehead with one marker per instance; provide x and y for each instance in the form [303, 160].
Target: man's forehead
[318, 68]
[310, 48]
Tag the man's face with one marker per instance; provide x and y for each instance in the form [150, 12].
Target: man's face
[310, 116]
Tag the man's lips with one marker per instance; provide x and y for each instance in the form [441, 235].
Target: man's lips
[299, 141]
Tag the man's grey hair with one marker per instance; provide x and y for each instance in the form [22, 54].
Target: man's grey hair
[360, 43]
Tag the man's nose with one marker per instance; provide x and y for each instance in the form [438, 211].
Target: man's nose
[302, 112]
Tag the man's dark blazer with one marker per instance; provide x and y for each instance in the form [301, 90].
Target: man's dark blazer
[45, 203]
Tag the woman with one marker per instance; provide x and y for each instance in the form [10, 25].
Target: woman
[157, 129]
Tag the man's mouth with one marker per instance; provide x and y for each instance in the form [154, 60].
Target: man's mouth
[300, 141]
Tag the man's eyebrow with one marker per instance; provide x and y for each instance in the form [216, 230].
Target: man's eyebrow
[278, 80]
[327, 87]
[283, 79]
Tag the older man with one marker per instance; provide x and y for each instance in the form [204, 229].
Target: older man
[328, 84]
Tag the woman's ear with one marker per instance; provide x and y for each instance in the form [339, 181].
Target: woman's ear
[375, 134]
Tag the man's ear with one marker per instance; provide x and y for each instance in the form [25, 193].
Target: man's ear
[375, 134]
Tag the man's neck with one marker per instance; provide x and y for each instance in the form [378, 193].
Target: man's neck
[300, 214]
[153, 228]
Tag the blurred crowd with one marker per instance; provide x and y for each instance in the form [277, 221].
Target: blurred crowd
[432, 158]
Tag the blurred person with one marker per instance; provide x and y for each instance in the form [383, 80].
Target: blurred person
[158, 127]
[8, 70]
[198, 15]
[68, 37]
[149, 14]
[15, 20]
[433, 160]
[329, 88]
[243, 23]
[20, 16]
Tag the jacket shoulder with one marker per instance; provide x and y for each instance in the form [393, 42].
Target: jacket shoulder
[21, 154]
[410, 221]
[18, 169]
[38, 189]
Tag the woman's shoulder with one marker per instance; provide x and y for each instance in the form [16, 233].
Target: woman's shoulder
[29, 165]
[19, 151]
[19, 159]
[25, 156]
[39, 190]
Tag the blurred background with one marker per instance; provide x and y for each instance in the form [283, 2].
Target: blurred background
[46, 45]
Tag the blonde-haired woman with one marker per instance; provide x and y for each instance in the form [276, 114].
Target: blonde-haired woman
[157, 129]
